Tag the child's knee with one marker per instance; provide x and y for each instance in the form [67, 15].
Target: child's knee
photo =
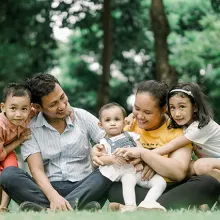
[201, 167]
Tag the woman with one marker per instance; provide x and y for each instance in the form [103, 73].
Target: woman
[151, 123]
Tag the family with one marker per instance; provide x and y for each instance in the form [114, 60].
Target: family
[144, 166]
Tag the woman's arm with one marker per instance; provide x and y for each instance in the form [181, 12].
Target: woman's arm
[175, 167]
[173, 145]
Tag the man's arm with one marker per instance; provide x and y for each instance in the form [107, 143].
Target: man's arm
[57, 202]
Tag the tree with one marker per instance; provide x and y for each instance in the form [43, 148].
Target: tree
[161, 30]
[26, 42]
[103, 92]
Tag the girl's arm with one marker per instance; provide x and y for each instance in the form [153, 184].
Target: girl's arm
[173, 145]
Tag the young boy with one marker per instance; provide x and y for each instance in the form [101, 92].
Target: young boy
[112, 120]
[14, 118]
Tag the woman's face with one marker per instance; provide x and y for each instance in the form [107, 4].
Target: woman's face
[147, 112]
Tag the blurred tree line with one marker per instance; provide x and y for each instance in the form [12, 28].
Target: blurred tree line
[113, 45]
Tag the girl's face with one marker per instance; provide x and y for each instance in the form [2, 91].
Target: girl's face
[147, 112]
[112, 121]
[181, 110]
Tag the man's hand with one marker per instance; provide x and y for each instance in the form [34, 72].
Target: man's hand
[97, 151]
[147, 173]
[58, 203]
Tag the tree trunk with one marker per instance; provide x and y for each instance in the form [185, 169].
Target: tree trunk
[161, 30]
[103, 92]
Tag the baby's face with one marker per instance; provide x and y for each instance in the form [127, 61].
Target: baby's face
[17, 109]
[112, 121]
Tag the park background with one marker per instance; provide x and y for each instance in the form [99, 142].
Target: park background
[101, 49]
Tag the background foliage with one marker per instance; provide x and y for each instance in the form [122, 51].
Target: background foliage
[28, 45]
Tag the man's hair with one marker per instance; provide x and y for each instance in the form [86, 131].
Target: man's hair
[17, 90]
[109, 106]
[41, 85]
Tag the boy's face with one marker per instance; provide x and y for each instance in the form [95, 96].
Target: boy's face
[112, 121]
[54, 105]
[17, 109]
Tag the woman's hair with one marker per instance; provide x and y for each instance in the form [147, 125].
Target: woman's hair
[158, 90]
[41, 85]
[109, 106]
[203, 112]
[15, 89]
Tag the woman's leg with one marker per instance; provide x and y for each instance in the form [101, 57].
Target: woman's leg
[195, 191]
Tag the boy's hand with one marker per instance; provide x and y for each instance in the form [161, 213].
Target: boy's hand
[3, 154]
[25, 135]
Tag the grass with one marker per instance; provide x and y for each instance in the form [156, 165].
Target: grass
[105, 215]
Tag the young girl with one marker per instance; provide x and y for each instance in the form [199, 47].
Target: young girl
[188, 108]
[14, 118]
[117, 169]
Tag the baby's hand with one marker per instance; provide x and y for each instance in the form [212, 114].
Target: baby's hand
[139, 167]
[25, 135]
[118, 160]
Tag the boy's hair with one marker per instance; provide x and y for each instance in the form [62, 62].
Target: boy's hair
[158, 90]
[203, 112]
[15, 89]
[41, 85]
[111, 105]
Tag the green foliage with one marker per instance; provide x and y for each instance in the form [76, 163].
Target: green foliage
[26, 41]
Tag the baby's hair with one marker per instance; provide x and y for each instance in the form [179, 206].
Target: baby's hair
[111, 105]
[191, 90]
[158, 90]
[15, 89]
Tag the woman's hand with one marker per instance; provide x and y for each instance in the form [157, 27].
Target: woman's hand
[97, 151]
[129, 120]
[118, 160]
[147, 173]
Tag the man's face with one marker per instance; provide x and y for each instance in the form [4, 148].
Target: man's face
[54, 105]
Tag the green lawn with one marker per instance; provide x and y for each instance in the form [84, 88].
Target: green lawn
[104, 215]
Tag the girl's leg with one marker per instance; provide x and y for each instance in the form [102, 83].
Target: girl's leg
[157, 186]
[128, 185]
[208, 166]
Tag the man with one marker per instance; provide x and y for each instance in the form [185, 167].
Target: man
[58, 155]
